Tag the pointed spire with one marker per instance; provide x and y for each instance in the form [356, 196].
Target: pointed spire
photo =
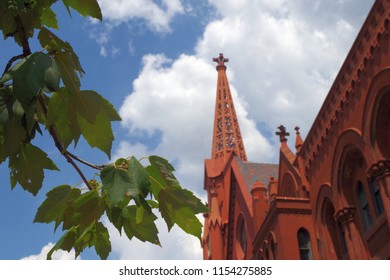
[227, 135]
[298, 140]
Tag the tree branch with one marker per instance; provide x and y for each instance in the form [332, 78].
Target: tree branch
[69, 156]
[22, 36]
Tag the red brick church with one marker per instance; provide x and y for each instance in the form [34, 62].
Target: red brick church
[329, 196]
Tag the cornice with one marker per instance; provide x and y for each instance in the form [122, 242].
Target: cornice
[366, 44]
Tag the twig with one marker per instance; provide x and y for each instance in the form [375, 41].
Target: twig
[94, 166]
[9, 64]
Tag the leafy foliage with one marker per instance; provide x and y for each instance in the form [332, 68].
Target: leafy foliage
[41, 91]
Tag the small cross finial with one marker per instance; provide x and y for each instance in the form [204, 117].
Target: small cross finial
[221, 61]
[282, 133]
[297, 129]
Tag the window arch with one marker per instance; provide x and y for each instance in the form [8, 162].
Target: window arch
[364, 206]
[304, 244]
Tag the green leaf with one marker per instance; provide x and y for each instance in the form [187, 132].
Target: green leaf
[139, 215]
[85, 7]
[176, 205]
[48, 18]
[103, 244]
[85, 237]
[86, 113]
[14, 135]
[17, 109]
[27, 167]
[90, 103]
[144, 230]
[87, 208]
[30, 75]
[30, 119]
[94, 118]
[59, 115]
[152, 203]
[20, 124]
[66, 242]
[67, 62]
[52, 78]
[6, 102]
[57, 201]
[188, 199]
[114, 214]
[140, 176]
[98, 134]
[187, 221]
[69, 70]
[118, 185]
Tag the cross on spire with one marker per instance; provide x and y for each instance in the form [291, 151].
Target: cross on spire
[221, 62]
[282, 133]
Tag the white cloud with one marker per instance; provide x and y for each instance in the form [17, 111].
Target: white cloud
[130, 47]
[57, 255]
[283, 55]
[157, 16]
[103, 51]
[174, 245]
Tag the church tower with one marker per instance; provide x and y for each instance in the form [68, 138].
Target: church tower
[227, 144]
[227, 135]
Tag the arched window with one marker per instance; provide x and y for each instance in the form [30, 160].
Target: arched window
[242, 234]
[342, 239]
[381, 128]
[304, 244]
[273, 249]
[376, 195]
[364, 206]
[334, 234]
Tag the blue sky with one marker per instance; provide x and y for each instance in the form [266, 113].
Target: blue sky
[152, 59]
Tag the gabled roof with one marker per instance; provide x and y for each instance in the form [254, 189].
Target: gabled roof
[252, 172]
